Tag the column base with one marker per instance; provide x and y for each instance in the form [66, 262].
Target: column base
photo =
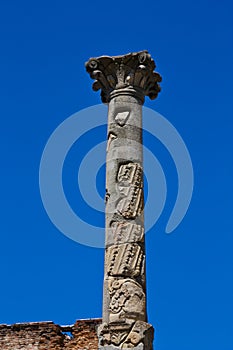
[112, 347]
[138, 335]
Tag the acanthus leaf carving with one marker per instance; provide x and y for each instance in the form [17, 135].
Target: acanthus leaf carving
[134, 70]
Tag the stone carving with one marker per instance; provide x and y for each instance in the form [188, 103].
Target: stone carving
[124, 260]
[128, 172]
[111, 137]
[127, 232]
[122, 117]
[130, 188]
[113, 334]
[125, 335]
[134, 70]
[141, 332]
[127, 300]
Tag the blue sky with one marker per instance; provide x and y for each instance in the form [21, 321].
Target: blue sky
[45, 275]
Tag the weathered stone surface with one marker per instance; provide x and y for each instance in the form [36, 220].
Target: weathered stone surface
[49, 336]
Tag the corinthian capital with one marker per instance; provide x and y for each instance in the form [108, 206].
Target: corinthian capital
[128, 74]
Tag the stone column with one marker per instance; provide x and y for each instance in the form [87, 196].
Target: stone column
[124, 82]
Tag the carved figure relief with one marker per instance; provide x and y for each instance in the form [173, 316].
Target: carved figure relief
[127, 232]
[130, 188]
[124, 260]
[127, 300]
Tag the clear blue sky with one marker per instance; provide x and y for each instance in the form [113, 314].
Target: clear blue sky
[46, 276]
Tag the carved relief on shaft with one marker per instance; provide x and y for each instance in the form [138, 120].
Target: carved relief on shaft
[120, 232]
[130, 187]
[126, 232]
[127, 300]
[122, 117]
[124, 260]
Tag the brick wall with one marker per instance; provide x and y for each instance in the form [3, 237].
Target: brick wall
[49, 336]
